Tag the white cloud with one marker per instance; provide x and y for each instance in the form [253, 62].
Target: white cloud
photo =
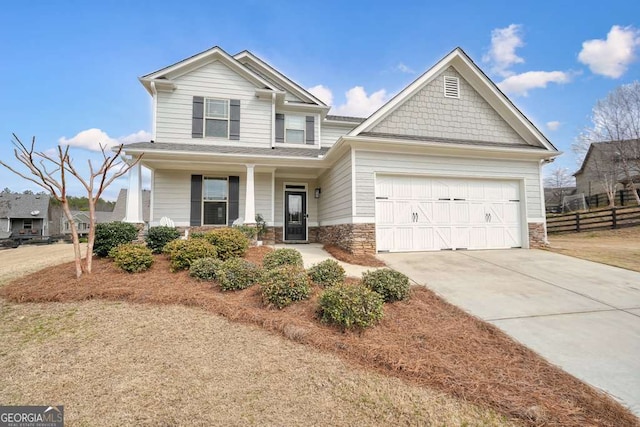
[502, 53]
[520, 84]
[404, 68]
[322, 93]
[553, 125]
[91, 139]
[611, 57]
[359, 104]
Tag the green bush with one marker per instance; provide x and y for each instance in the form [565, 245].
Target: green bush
[237, 273]
[283, 285]
[112, 234]
[183, 252]
[157, 237]
[230, 242]
[282, 256]
[327, 273]
[351, 306]
[392, 285]
[261, 226]
[247, 230]
[131, 257]
[205, 268]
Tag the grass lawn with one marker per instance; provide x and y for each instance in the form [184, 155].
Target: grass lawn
[426, 363]
[620, 248]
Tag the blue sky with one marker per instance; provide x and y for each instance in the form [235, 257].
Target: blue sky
[71, 66]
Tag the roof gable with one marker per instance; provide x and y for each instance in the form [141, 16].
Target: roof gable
[199, 60]
[277, 78]
[472, 76]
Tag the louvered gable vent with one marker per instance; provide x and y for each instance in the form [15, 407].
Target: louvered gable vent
[451, 87]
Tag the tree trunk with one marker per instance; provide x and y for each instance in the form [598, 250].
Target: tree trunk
[74, 236]
[92, 234]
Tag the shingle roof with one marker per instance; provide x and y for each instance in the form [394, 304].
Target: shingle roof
[257, 151]
[609, 148]
[448, 140]
[345, 118]
[23, 205]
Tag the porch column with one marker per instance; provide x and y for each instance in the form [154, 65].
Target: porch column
[250, 200]
[134, 196]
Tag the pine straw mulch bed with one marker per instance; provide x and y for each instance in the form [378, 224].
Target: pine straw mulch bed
[424, 340]
[344, 256]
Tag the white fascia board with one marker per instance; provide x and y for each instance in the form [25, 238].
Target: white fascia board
[285, 81]
[205, 58]
[461, 150]
[296, 106]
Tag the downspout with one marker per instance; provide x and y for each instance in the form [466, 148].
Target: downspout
[273, 120]
[542, 201]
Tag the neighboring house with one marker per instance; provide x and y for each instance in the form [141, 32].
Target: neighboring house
[82, 220]
[602, 163]
[24, 216]
[120, 209]
[448, 163]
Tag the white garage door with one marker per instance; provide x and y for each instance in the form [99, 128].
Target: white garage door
[424, 214]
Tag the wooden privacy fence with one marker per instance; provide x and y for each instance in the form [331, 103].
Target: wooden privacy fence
[594, 220]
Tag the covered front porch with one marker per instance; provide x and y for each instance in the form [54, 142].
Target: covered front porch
[196, 193]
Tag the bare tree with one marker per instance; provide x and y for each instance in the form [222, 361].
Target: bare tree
[615, 122]
[51, 173]
[560, 181]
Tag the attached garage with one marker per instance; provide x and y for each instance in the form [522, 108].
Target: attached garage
[415, 213]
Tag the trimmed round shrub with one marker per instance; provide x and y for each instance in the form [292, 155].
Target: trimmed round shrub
[182, 253]
[205, 268]
[230, 242]
[327, 273]
[157, 237]
[351, 306]
[111, 234]
[282, 256]
[237, 273]
[283, 285]
[131, 257]
[392, 285]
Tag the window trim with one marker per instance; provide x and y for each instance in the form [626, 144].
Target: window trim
[226, 201]
[304, 129]
[205, 118]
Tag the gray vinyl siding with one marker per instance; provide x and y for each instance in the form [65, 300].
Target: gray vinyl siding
[215, 80]
[428, 113]
[368, 163]
[312, 203]
[331, 134]
[335, 200]
[172, 190]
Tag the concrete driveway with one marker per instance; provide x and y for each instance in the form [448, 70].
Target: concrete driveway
[580, 315]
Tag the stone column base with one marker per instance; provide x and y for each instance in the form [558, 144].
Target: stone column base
[358, 239]
[537, 235]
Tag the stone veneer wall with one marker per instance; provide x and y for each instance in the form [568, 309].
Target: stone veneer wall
[537, 235]
[311, 238]
[358, 239]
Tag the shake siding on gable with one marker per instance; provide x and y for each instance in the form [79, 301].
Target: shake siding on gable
[469, 118]
[335, 201]
[172, 191]
[215, 80]
[368, 163]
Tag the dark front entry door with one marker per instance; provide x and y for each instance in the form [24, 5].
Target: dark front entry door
[295, 215]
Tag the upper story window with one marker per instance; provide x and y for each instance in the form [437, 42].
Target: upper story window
[216, 118]
[294, 129]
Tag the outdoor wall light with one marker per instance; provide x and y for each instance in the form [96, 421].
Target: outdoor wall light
[317, 192]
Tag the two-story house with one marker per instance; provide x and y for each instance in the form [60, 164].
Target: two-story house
[448, 163]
